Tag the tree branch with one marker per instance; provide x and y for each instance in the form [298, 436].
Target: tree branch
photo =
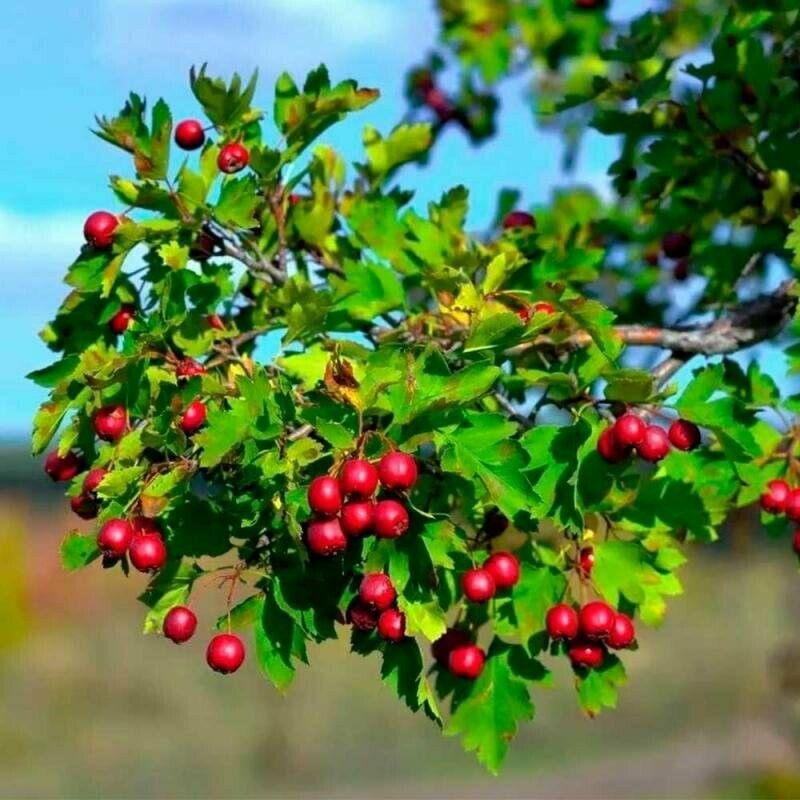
[255, 263]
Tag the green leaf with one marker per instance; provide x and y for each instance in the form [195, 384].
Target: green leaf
[629, 385]
[426, 618]
[404, 144]
[78, 550]
[597, 688]
[402, 672]
[225, 105]
[170, 587]
[57, 372]
[278, 641]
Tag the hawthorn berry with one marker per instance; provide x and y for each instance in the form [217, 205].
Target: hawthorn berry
[610, 449]
[478, 585]
[122, 319]
[325, 496]
[93, 479]
[622, 633]
[189, 134]
[543, 307]
[324, 537]
[792, 508]
[438, 102]
[774, 499]
[225, 653]
[63, 468]
[586, 560]
[676, 245]
[142, 524]
[215, 321]
[98, 229]
[180, 624]
[524, 313]
[684, 435]
[447, 642]
[147, 552]
[495, 523]
[376, 590]
[504, 569]
[629, 430]
[204, 246]
[655, 444]
[362, 616]
[194, 417]
[110, 422]
[115, 537]
[357, 517]
[467, 661]
[562, 622]
[391, 519]
[358, 478]
[586, 654]
[392, 625]
[189, 368]
[85, 506]
[596, 620]
[233, 157]
[518, 219]
[397, 471]
[680, 272]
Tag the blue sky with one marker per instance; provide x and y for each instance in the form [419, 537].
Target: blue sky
[67, 61]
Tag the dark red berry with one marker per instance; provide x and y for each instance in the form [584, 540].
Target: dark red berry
[543, 307]
[189, 134]
[597, 620]
[215, 321]
[122, 319]
[397, 471]
[110, 422]
[85, 506]
[376, 590]
[467, 661]
[504, 569]
[233, 157]
[357, 517]
[180, 624]
[655, 444]
[676, 245]
[392, 625]
[147, 552]
[98, 230]
[63, 468]
[359, 478]
[796, 542]
[774, 499]
[524, 314]
[391, 519]
[189, 368]
[446, 643]
[478, 585]
[562, 622]
[586, 654]
[519, 219]
[324, 537]
[684, 435]
[586, 560]
[629, 430]
[194, 417]
[115, 537]
[610, 449]
[622, 633]
[324, 496]
[495, 523]
[93, 479]
[142, 524]
[792, 507]
[225, 653]
[362, 616]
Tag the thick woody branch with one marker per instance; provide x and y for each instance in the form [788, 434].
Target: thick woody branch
[254, 262]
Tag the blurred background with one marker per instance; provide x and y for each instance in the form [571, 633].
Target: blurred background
[90, 708]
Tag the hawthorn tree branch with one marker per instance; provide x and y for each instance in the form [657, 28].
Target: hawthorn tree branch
[254, 262]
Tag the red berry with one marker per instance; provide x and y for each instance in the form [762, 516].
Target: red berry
[324, 537]
[609, 448]
[194, 417]
[189, 134]
[519, 219]
[397, 471]
[504, 569]
[147, 552]
[94, 477]
[622, 633]
[110, 422]
[774, 499]
[358, 477]
[122, 319]
[438, 101]
[524, 314]
[391, 519]
[376, 589]
[586, 560]
[586, 654]
[676, 245]
[543, 307]
[225, 653]
[562, 622]
[115, 537]
[655, 444]
[478, 585]
[233, 157]
[357, 517]
[597, 620]
[467, 661]
[446, 643]
[84, 506]
[684, 435]
[180, 624]
[392, 625]
[629, 430]
[324, 496]
[98, 230]
[189, 368]
[796, 542]
[495, 523]
[63, 468]
[680, 272]
[215, 321]
[204, 245]
[362, 616]
[792, 508]
[143, 524]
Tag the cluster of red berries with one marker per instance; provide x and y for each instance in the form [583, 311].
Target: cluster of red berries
[780, 498]
[225, 652]
[140, 539]
[375, 607]
[455, 651]
[590, 632]
[651, 442]
[344, 508]
[499, 572]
